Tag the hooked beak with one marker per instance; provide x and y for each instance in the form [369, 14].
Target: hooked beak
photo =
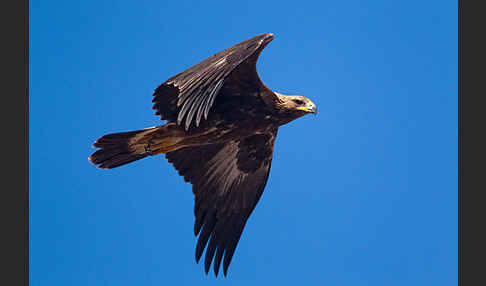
[309, 107]
[313, 109]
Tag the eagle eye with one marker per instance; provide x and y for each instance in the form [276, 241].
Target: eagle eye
[298, 101]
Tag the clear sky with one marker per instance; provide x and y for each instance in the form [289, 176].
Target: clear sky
[365, 193]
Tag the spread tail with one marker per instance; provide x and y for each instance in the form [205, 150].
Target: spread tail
[118, 149]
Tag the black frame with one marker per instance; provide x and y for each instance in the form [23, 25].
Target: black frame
[471, 143]
[15, 146]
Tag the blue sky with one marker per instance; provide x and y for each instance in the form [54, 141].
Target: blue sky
[363, 194]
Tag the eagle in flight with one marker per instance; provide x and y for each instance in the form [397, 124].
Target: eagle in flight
[221, 127]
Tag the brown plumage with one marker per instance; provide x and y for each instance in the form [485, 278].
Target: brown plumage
[221, 127]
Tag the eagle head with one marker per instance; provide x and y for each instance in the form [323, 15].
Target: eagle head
[295, 105]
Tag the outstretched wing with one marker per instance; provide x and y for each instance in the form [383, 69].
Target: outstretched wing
[228, 180]
[190, 94]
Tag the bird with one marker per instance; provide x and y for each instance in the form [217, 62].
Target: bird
[221, 122]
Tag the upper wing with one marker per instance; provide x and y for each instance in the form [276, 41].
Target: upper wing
[191, 93]
[228, 180]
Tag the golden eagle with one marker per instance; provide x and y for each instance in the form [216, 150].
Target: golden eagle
[221, 127]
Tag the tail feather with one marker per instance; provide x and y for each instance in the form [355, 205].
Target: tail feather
[118, 149]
